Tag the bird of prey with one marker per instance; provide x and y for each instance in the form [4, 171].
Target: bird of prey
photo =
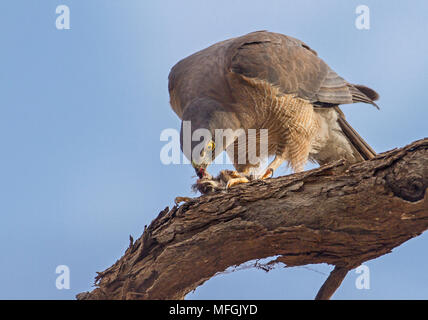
[266, 80]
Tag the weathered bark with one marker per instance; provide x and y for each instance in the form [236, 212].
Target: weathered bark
[335, 214]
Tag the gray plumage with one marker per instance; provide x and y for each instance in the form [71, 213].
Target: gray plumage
[269, 80]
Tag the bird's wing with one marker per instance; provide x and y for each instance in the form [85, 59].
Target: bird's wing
[198, 75]
[294, 68]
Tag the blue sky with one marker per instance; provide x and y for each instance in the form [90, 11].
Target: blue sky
[81, 112]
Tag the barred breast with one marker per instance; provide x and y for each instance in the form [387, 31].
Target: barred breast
[291, 121]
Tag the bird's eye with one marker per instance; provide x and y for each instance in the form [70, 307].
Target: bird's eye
[211, 145]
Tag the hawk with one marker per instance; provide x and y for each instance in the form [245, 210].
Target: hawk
[266, 80]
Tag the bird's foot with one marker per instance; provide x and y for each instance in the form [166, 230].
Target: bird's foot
[232, 178]
[225, 180]
[235, 181]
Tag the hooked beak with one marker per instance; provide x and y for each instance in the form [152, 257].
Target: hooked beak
[200, 169]
[205, 158]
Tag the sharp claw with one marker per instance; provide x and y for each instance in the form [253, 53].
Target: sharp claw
[236, 181]
[235, 174]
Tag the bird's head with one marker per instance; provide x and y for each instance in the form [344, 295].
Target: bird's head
[201, 159]
[201, 119]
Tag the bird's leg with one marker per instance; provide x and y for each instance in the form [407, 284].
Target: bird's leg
[231, 178]
[236, 178]
[272, 167]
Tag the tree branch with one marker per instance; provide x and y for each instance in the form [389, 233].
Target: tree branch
[334, 214]
[333, 282]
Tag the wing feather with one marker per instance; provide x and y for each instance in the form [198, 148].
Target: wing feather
[294, 67]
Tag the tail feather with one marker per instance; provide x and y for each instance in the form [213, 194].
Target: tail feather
[370, 93]
[364, 94]
[361, 147]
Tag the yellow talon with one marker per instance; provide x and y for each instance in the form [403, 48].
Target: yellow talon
[235, 174]
[235, 181]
